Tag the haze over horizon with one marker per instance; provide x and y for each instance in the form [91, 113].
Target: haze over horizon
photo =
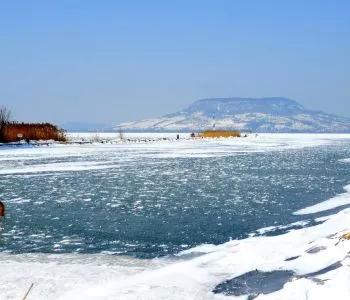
[110, 62]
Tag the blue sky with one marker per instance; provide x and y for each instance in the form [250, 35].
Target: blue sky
[117, 61]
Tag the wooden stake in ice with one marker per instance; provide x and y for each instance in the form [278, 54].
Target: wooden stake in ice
[25, 296]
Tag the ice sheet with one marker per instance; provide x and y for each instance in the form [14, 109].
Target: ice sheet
[339, 200]
[194, 273]
[113, 277]
[169, 148]
[57, 167]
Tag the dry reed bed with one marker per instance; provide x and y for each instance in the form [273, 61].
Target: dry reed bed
[32, 131]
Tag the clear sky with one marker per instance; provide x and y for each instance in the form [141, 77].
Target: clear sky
[117, 61]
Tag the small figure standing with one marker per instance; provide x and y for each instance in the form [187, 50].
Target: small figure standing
[2, 209]
[177, 136]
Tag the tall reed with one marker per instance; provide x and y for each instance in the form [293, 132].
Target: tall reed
[15, 131]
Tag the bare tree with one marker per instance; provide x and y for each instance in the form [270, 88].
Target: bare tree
[121, 134]
[5, 117]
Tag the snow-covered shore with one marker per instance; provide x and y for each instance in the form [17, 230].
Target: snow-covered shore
[196, 272]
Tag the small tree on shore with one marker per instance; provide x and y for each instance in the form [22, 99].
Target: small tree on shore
[5, 117]
[121, 134]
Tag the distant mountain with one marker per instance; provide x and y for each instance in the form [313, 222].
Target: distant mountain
[86, 127]
[274, 114]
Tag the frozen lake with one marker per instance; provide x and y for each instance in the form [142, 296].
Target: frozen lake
[176, 219]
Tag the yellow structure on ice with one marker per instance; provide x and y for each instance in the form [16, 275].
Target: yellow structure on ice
[219, 133]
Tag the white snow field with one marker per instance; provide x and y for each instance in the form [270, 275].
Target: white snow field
[193, 273]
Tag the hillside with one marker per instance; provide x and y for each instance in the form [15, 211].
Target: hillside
[245, 114]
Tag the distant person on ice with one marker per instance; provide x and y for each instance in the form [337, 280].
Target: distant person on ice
[2, 214]
[2, 209]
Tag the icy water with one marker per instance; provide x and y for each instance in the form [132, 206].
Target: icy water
[146, 202]
[152, 200]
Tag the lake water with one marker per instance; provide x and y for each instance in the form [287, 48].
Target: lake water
[137, 207]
